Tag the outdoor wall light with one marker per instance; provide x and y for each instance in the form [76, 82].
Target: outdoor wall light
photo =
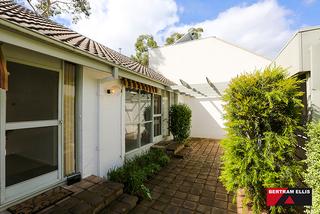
[112, 90]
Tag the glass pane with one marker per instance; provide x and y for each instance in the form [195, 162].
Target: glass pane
[157, 126]
[132, 106]
[69, 118]
[33, 93]
[157, 104]
[145, 107]
[131, 137]
[146, 135]
[30, 153]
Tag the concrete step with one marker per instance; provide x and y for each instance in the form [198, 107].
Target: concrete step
[122, 205]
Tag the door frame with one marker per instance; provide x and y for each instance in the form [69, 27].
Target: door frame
[29, 187]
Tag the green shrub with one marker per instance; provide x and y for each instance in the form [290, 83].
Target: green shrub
[180, 122]
[312, 175]
[137, 170]
[262, 113]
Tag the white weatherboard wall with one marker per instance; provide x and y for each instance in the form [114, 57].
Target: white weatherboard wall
[211, 57]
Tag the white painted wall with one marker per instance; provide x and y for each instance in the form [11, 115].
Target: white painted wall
[102, 129]
[207, 121]
[309, 38]
[211, 57]
[89, 123]
[195, 60]
[290, 56]
[111, 151]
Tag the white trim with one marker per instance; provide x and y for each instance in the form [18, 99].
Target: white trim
[36, 184]
[31, 124]
[19, 190]
[79, 92]
[2, 144]
[61, 123]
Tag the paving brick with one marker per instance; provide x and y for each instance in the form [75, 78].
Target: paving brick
[220, 204]
[221, 196]
[189, 205]
[181, 195]
[171, 209]
[185, 211]
[83, 184]
[206, 201]
[159, 205]
[204, 209]
[81, 208]
[94, 179]
[176, 202]
[139, 209]
[192, 197]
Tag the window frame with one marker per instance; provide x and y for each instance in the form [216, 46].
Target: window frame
[153, 139]
[19, 190]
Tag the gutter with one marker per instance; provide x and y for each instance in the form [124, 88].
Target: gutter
[42, 37]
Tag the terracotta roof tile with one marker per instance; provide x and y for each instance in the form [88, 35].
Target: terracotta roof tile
[26, 18]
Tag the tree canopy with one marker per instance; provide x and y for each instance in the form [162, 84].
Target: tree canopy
[51, 8]
[145, 42]
[142, 45]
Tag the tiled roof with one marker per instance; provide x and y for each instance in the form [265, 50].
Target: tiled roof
[26, 18]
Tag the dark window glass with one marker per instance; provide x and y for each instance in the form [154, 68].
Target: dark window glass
[30, 153]
[146, 135]
[157, 104]
[157, 126]
[131, 135]
[33, 93]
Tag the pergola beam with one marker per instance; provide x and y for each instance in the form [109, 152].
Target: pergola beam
[213, 87]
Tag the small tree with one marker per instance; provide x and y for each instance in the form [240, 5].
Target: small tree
[262, 113]
[180, 122]
[312, 175]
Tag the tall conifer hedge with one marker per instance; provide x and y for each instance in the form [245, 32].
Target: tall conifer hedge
[262, 113]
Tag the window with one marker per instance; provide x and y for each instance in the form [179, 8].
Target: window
[32, 123]
[138, 116]
[132, 117]
[157, 115]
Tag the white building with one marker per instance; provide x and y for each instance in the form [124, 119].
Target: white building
[195, 60]
[69, 104]
[301, 56]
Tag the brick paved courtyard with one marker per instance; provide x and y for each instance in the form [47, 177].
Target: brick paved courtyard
[190, 185]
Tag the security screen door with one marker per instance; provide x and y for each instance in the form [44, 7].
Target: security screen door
[32, 128]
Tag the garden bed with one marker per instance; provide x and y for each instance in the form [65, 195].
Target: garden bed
[139, 169]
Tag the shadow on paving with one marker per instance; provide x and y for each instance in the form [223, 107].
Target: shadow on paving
[190, 185]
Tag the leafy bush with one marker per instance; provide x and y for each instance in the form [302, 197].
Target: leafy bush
[180, 122]
[262, 113]
[312, 175]
[137, 170]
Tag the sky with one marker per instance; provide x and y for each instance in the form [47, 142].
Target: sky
[262, 26]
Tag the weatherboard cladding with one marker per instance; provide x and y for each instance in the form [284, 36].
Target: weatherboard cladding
[26, 18]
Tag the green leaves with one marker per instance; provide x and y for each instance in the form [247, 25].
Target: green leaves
[312, 175]
[142, 45]
[49, 8]
[137, 170]
[263, 111]
[180, 122]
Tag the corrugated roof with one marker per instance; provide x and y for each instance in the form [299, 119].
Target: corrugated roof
[28, 19]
